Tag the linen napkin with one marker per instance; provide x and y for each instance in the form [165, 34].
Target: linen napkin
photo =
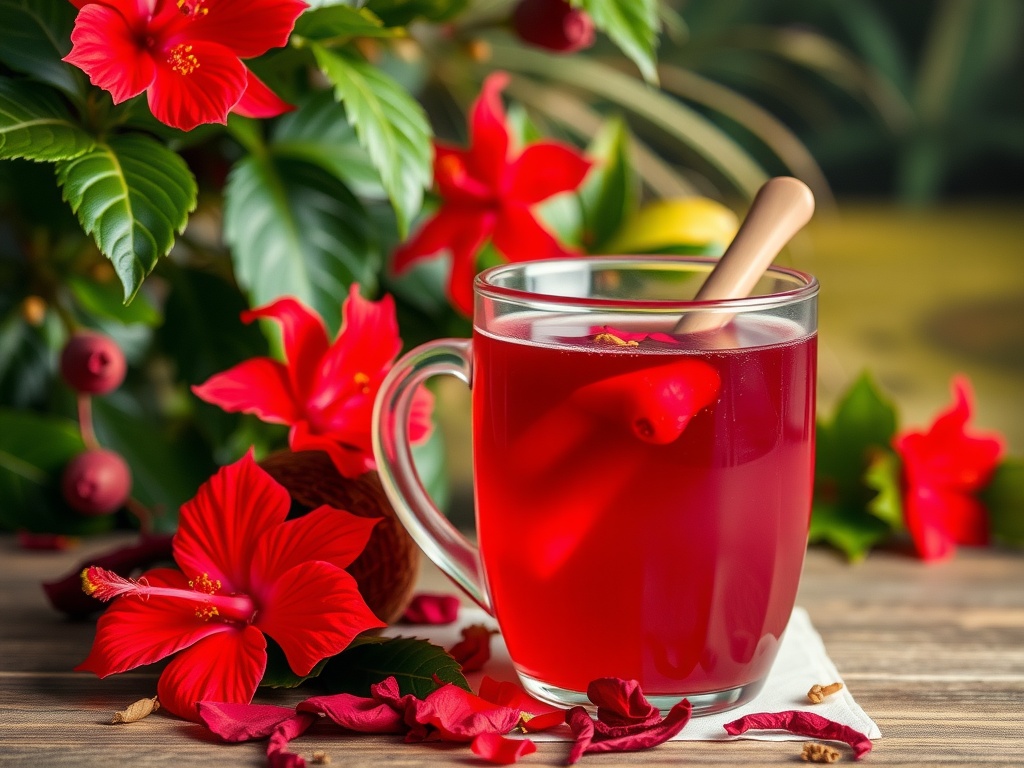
[802, 662]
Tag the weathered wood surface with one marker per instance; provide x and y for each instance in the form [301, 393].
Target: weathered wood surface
[934, 654]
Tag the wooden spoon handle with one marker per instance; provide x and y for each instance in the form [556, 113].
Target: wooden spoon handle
[780, 209]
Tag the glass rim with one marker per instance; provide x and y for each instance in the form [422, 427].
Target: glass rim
[807, 284]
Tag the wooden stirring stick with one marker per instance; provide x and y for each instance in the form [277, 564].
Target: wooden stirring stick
[782, 206]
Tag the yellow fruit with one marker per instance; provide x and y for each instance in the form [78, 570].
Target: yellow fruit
[683, 225]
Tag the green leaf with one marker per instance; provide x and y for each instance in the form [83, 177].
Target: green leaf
[883, 477]
[847, 527]
[318, 132]
[1004, 499]
[413, 662]
[104, 300]
[338, 23]
[36, 36]
[633, 27]
[295, 230]
[278, 673]
[33, 451]
[611, 191]
[391, 126]
[398, 13]
[35, 125]
[133, 195]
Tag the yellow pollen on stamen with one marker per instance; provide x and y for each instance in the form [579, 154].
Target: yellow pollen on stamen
[203, 583]
[363, 382]
[87, 585]
[182, 60]
[206, 612]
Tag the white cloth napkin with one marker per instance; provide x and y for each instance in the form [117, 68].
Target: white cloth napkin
[801, 663]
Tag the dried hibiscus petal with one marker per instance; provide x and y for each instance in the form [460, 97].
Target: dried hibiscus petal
[627, 336]
[501, 750]
[356, 713]
[803, 724]
[621, 702]
[474, 649]
[536, 715]
[458, 715]
[426, 608]
[242, 722]
[278, 755]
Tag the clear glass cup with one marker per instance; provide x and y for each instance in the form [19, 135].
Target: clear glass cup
[642, 493]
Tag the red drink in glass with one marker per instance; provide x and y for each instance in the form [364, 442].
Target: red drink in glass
[672, 562]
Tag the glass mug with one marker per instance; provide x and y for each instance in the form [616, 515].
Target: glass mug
[642, 494]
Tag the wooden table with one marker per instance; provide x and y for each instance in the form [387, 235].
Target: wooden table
[934, 654]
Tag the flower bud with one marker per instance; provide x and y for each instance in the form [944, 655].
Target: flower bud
[92, 363]
[553, 24]
[96, 482]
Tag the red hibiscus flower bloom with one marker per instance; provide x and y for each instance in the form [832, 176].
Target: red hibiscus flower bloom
[488, 193]
[245, 572]
[325, 391]
[942, 468]
[184, 53]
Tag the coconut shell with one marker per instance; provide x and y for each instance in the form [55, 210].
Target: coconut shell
[387, 569]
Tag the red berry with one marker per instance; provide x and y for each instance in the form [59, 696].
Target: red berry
[93, 363]
[553, 24]
[96, 482]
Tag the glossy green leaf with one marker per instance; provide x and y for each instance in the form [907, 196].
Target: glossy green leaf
[391, 126]
[35, 125]
[318, 132]
[279, 674]
[611, 191]
[847, 527]
[295, 230]
[133, 195]
[338, 23]
[1004, 500]
[883, 476]
[36, 36]
[413, 662]
[633, 27]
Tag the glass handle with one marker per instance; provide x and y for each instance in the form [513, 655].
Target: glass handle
[442, 542]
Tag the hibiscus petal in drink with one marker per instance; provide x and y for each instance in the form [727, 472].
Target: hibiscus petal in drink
[653, 404]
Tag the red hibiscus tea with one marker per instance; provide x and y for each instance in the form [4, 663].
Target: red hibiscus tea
[642, 495]
[612, 550]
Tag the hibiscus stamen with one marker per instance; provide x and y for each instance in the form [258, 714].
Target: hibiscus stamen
[182, 60]
[106, 585]
[362, 382]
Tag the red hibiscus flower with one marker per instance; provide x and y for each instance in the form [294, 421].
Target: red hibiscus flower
[942, 468]
[184, 53]
[488, 193]
[245, 573]
[325, 391]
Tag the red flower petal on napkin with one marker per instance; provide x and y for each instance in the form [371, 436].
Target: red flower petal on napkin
[803, 724]
[498, 749]
[426, 608]
[474, 649]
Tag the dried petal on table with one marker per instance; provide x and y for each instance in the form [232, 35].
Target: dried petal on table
[426, 608]
[621, 702]
[474, 649]
[501, 750]
[535, 715]
[803, 724]
[278, 755]
[242, 722]
[356, 713]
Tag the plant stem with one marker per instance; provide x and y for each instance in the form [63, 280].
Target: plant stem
[85, 425]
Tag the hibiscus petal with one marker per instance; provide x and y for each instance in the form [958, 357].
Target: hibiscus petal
[458, 715]
[498, 749]
[453, 180]
[331, 535]
[259, 386]
[313, 611]
[224, 667]
[421, 419]
[242, 722]
[488, 154]
[621, 702]
[259, 101]
[520, 237]
[350, 461]
[278, 755]
[303, 336]
[248, 27]
[545, 169]
[356, 713]
[105, 47]
[134, 631]
[938, 519]
[426, 608]
[218, 530]
[473, 651]
[198, 82]
[512, 695]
